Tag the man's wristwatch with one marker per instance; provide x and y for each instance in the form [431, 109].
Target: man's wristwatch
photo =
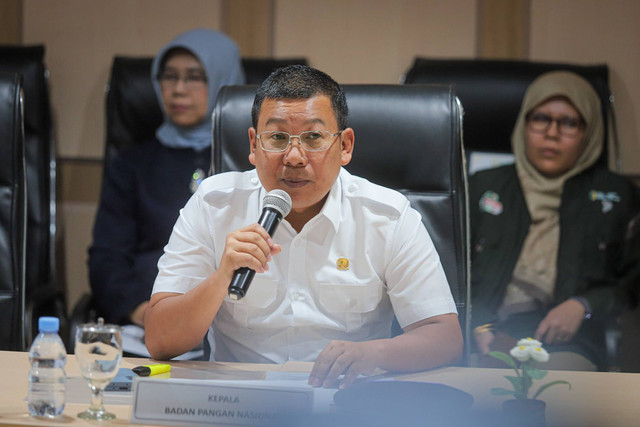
[585, 304]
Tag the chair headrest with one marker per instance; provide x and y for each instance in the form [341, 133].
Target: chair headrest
[491, 93]
[11, 139]
[258, 69]
[398, 130]
[29, 62]
[133, 112]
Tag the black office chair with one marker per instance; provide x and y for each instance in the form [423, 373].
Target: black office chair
[45, 296]
[407, 138]
[13, 333]
[491, 93]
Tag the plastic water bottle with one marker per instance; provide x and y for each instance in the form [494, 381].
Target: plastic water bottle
[47, 382]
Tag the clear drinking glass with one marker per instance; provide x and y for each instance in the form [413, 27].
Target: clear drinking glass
[99, 353]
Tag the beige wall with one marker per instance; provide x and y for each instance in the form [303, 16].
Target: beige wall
[83, 36]
[363, 41]
[503, 29]
[10, 21]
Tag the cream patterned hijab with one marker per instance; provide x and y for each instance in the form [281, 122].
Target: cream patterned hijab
[535, 273]
[585, 99]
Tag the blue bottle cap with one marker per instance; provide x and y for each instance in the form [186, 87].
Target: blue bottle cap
[48, 324]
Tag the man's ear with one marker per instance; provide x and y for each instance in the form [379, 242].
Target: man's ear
[252, 145]
[347, 140]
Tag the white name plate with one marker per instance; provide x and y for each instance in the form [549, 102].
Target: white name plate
[197, 402]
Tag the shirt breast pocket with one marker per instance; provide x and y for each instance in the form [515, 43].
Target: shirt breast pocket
[258, 301]
[350, 304]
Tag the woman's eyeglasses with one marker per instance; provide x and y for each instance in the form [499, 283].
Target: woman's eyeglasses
[190, 80]
[567, 126]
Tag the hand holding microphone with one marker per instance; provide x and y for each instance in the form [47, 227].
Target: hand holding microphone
[276, 205]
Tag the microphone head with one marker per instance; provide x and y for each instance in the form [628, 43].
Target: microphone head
[278, 200]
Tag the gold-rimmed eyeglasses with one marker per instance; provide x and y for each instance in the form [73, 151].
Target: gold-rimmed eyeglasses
[313, 140]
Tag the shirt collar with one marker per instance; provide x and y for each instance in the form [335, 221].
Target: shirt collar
[333, 205]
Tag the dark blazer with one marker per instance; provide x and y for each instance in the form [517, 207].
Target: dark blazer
[143, 191]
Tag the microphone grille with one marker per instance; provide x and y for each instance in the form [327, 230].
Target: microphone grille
[279, 200]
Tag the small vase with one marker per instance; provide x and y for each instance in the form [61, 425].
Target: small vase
[524, 412]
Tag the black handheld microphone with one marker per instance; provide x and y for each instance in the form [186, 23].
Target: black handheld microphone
[277, 205]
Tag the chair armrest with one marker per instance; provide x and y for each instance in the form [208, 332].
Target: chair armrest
[46, 300]
[613, 339]
[84, 311]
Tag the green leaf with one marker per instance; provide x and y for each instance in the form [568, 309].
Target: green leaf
[534, 373]
[497, 391]
[546, 386]
[504, 357]
[516, 382]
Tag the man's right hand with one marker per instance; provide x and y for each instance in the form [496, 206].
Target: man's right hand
[168, 331]
[249, 247]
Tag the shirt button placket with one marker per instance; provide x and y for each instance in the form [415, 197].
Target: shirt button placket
[297, 290]
[297, 274]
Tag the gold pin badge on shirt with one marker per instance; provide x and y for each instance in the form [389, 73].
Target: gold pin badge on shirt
[342, 264]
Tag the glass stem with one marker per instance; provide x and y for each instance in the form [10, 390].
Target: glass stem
[96, 399]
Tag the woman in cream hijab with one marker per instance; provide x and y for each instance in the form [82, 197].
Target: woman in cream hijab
[553, 250]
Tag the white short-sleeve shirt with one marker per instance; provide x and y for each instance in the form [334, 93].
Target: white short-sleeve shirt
[364, 257]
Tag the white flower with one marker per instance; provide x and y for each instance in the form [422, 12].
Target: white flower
[539, 354]
[529, 348]
[529, 342]
[521, 352]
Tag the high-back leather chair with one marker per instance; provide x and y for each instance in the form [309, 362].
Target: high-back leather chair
[491, 93]
[44, 295]
[12, 215]
[407, 138]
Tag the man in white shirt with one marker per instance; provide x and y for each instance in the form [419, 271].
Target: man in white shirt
[348, 256]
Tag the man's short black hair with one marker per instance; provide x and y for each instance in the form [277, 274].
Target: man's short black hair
[301, 82]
